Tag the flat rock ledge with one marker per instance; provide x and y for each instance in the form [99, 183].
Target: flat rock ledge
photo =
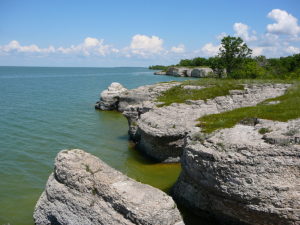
[84, 190]
[241, 176]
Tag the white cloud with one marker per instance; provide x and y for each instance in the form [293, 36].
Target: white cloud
[210, 50]
[292, 50]
[285, 23]
[179, 49]
[257, 51]
[145, 45]
[221, 36]
[14, 46]
[241, 30]
[90, 46]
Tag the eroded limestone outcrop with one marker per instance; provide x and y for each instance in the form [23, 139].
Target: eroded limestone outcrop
[84, 190]
[109, 99]
[240, 175]
[162, 131]
[187, 72]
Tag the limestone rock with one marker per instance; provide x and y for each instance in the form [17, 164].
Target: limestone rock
[189, 72]
[235, 175]
[201, 72]
[84, 190]
[177, 71]
[160, 73]
[109, 99]
[162, 130]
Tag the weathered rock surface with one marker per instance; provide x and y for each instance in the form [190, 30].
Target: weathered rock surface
[201, 72]
[236, 175]
[187, 72]
[134, 102]
[84, 190]
[109, 99]
[161, 131]
[177, 71]
[160, 73]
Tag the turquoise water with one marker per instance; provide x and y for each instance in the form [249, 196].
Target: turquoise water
[44, 110]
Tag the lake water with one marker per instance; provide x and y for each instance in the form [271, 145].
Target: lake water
[44, 110]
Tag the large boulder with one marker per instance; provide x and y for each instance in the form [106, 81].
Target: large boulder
[84, 190]
[239, 176]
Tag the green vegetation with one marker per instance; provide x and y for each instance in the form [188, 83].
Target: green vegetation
[234, 61]
[158, 67]
[287, 108]
[233, 53]
[264, 130]
[213, 88]
[87, 168]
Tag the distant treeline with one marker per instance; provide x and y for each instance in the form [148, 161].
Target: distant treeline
[255, 67]
[234, 61]
[158, 67]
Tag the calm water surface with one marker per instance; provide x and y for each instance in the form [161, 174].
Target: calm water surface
[44, 110]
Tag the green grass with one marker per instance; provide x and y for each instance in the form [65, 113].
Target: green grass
[288, 108]
[264, 130]
[213, 88]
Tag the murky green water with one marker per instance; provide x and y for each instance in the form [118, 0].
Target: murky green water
[45, 110]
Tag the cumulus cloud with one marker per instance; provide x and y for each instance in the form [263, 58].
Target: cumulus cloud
[145, 45]
[221, 36]
[178, 49]
[15, 46]
[210, 50]
[285, 23]
[281, 38]
[242, 30]
[90, 46]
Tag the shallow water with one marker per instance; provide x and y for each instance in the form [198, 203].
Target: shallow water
[44, 110]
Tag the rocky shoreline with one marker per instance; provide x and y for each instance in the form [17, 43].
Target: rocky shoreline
[236, 174]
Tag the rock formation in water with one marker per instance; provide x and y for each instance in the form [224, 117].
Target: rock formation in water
[84, 190]
[109, 99]
[160, 131]
[238, 174]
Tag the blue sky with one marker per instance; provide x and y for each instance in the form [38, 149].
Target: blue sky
[140, 33]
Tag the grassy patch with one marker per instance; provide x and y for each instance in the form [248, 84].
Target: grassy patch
[288, 108]
[213, 88]
[264, 130]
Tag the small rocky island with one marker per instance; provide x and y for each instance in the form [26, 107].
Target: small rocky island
[244, 174]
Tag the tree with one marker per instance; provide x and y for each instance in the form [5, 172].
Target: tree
[233, 53]
[217, 66]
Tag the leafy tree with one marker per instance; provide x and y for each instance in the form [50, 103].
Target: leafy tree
[185, 62]
[233, 52]
[216, 64]
[199, 61]
[249, 70]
